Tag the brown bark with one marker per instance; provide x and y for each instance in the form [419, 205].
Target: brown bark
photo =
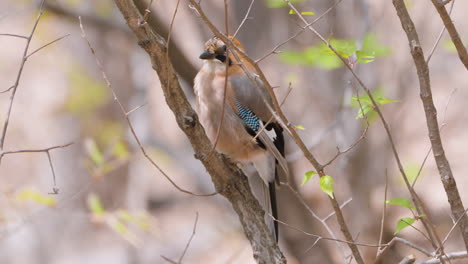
[228, 180]
[444, 15]
[443, 165]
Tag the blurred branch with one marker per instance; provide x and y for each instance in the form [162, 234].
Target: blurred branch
[461, 49]
[439, 37]
[384, 208]
[187, 245]
[279, 115]
[227, 178]
[451, 256]
[245, 19]
[274, 50]
[127, 118]
[190, 239]
[18, 76]
[440, 128]
[408, 260]
[55, 190]
[184, 67]
[14, 35]
[47, 44]
[314, 215]
[415, 198]
[443, 165]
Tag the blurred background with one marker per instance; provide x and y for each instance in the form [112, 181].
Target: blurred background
[114, 207]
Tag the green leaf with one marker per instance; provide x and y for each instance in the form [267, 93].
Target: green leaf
[94, 152]
[382, 100]
[85, 93]
[279, 3]
[141, 221]
[364, 56]
[366, 103]
[344, 47]
[403, 202]
[305, 13]
[364, 111]
[449, 46]
[326, 184]
[120, 150]
[403, 223]
[411, 172]
[37, 197]
[307, 176]
[299, 127]
[95, 205]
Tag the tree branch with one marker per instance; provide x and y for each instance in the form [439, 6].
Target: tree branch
[227, 178]
[444, 15]
[443, 165]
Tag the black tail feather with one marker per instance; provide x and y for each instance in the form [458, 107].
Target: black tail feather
[274, 207]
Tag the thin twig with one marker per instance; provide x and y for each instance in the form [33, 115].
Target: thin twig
[314, 215]
[55, 190]
[461, 49]
[190, 239]
[18, 76]
[382, 223]
[126, 115]
[439, 37]
[450, 256]
[279, 115]
[451, 229]
[443, 165]
[45, 45]
[168, 260]
[14, 35]
[418, 203]
[146, 15]
[243, 20]
[303, 28]
[440, 128]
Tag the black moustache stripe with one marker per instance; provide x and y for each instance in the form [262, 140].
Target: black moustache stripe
[222, 58]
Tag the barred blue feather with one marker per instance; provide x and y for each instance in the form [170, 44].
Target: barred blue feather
[249, 118]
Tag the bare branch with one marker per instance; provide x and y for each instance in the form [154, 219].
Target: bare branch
[274, 50]
[55, 190]
[280, 117]
[50, 43]
[442, 162]
[227, 178]
[127, 118]
[439, 37]
[450, 256]
[18, 76]
[190, 239]
[461, 49]
[382, 223]
[243, 20]
[418, 203]
[14, 35]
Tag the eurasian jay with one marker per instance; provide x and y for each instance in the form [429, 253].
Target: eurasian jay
[245, 134]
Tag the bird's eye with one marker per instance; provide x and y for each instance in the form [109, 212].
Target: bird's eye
[224, 47]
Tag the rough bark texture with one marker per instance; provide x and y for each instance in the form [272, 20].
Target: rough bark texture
[443, 165]
[228, 180]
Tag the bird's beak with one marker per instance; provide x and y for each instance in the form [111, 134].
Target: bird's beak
[207, 55]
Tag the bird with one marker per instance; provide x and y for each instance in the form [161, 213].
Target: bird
[248, 134]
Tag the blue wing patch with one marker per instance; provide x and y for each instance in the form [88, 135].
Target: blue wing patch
[249, 118]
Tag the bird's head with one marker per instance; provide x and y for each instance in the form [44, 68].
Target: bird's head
[215, 49]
